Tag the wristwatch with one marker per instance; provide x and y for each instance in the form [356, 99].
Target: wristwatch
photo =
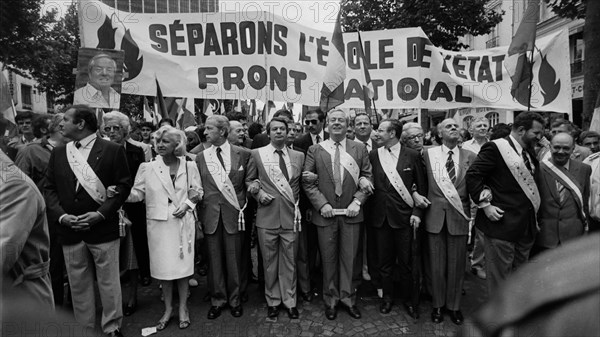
[357, 202]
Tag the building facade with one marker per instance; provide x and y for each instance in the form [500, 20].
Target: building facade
[502, 35]
[26, 95]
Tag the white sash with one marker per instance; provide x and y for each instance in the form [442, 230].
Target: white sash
[441, 178]
[224, 184]
[85, 174]
[345, 159]
[270, 162]
[517, 168]
[389, 167]
[568, 182]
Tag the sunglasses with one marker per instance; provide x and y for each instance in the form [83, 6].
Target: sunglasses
[313, 122]
[112, 128]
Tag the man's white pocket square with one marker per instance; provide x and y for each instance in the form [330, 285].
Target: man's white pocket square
[407, 169]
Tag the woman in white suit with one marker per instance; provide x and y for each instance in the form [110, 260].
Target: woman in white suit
[171, 187]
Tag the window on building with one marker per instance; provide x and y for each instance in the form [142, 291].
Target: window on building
[493, 117]
[493, 37]
[576, 51]
[49, 102]
[26, 92]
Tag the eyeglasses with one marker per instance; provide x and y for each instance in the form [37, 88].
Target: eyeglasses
[311, 121]
[112, 128]
[99, 70]
[413, 137]
[24, 122]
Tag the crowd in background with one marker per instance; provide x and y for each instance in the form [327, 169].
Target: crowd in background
[329, 203]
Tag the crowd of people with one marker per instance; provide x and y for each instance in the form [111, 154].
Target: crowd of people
[335, 202]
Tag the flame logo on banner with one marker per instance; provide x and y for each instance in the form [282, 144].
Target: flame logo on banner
[133, 61]
[549, 85]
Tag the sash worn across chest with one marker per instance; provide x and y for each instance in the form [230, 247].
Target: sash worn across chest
[441, 178]
[388, 163]
[519, 171]
[271, 165]
[224, 184]
[85, 174]
[568, 181]
[345, 159]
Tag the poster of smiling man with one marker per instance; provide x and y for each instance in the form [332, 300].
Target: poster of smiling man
[99, 77]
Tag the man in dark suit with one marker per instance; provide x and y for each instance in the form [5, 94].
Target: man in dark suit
[501, 181]
[564, 186]
[447, 220]
[223, 170]
[370, 267]
[275, 171]
[392, 214]
[88, 225]
[344, 181]
[308, 243]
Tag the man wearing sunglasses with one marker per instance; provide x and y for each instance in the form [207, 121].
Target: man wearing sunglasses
[98, 93]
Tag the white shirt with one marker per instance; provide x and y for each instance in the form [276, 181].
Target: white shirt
[395, 151]
[455, 156]
[314, 137]
[368, 143]
[286, 157]
[225, 153]
[88, 95]
[86, 145]
[520, 151]
[472, 145]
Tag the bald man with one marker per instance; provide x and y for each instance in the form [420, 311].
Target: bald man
[564, 186]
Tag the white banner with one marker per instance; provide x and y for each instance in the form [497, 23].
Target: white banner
[259, 55]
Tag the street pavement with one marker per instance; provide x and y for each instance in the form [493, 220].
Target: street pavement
[312, 321]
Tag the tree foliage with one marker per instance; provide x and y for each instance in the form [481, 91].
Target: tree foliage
[444, 21]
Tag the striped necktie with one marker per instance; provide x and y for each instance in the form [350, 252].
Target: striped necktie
[450, 167]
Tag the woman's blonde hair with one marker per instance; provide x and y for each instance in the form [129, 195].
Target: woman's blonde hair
[176, 135]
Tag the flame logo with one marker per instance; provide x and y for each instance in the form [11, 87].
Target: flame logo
[546, 77]
[133, 61]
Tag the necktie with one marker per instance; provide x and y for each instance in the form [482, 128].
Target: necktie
[562, 191]
[367, 146]
[318, 139]
[450, 167]
[337, 174]
[78, 144]
[282, 165]
[219, 150]
[527, 162]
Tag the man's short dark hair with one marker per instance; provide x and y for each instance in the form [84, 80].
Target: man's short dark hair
[283, 113]
[588, 134]
[395, 124]
[254, 129]
[166, 120]
[321, 114]
[561, 121]
[39, 122]
[236, 116]
[525, 119]
[280, 120]
[147, 125]
[500, 130]
[87, 114]
[24, 114]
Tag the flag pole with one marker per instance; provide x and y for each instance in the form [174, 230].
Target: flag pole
[530, 78]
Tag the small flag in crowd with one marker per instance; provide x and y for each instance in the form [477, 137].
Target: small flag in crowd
[368, 90]
[7, 106]
[332, 92]
[149, 115]
[519, 62]
[167, 106]
[185, 117]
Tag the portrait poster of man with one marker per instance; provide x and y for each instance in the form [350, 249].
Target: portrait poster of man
[99, 78]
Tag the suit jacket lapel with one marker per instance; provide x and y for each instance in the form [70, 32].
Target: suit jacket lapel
[462, 165]
[235, 161]
[162, 171]
[351, 150]
[327, 161]
[95, 154]
[551, 183]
